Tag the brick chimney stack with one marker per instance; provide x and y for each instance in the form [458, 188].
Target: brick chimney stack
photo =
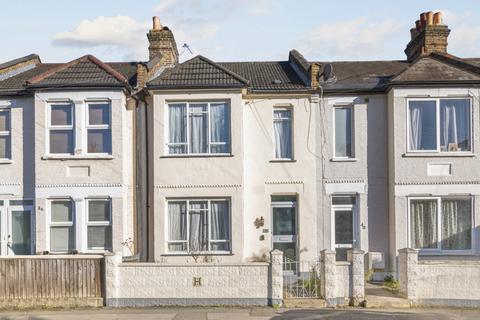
[429, 35]
[162, 43]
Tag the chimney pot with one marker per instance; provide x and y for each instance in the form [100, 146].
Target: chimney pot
[418, 25]
[429, 18]
[437, 18]
[156, 23]
[413, 33]
[423, 19]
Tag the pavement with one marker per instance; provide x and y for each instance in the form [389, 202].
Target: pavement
[242, 314]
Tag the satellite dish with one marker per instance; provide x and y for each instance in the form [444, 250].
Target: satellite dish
[327, 72]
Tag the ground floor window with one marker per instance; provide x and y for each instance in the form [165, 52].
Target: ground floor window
[196, 226]
[441, 223]
[89, 229]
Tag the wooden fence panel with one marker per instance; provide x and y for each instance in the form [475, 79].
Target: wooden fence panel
[51, 281]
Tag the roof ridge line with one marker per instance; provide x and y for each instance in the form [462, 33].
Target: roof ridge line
[233, 74]
[456, 62]
[64, 66]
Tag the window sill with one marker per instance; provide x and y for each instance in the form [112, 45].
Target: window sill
[343, 160]
[282, 160]
[196, 156]
[179, 254]
[438, 155]
[81, 157]
[6, 161]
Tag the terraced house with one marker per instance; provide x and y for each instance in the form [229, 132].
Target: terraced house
[208, 182]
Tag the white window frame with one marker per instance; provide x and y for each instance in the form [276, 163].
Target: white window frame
[283, 119]
[61, 224]
[187, 241]
[97, 223]
[352, 130]
[438, 125]
[51, 127]
[355, 219]
[104, 127]
[209, 133]
[7, 133]
[439, 250]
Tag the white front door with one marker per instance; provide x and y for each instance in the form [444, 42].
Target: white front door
[344, 231]
[16, 228]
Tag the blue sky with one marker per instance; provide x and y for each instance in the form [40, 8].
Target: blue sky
[230, 30]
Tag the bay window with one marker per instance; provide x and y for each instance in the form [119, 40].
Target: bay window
[282, 129]
[99, 135]
[439, 125]
[198, 226]
[198, 128]
[441, 223]
[5, 134]
[343, 135]
[61, 129]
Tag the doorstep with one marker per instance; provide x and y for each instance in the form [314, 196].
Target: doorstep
[304, 303]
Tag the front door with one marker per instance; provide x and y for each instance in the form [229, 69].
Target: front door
[285, 226]
[16, 225]
[344, 230]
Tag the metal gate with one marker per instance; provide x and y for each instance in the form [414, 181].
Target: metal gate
[301, 279]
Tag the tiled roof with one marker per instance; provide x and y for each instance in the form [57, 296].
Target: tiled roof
[198, 72]
[268, 76]
[362, 75]
[438, 68]
[86, 71]
[18, 83]
[19, 60]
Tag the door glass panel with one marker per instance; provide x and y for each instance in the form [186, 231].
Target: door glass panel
[288, 248]
[284, 221]
[20, 241]
[343, 233]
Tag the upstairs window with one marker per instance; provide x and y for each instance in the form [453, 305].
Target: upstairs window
[99, 134]
[198, 128]
[343, 135]
[61, 129]
[282, 129]
[439, 125]
[5, 135]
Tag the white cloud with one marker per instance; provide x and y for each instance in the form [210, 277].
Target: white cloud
[464, 39]
[121, 33]
[350, 39]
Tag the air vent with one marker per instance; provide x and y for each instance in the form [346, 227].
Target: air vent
[277, 81]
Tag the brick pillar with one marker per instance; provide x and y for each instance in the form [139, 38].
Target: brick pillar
[356, 257]
[328, 274]
[276, 260]
[407, 272]
[112, 278]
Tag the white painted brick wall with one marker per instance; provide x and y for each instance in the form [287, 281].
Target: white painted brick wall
[446, 281]
[136, 281]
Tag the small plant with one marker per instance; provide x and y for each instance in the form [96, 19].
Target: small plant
[128, 243]
[276, 306]
[390, 284]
